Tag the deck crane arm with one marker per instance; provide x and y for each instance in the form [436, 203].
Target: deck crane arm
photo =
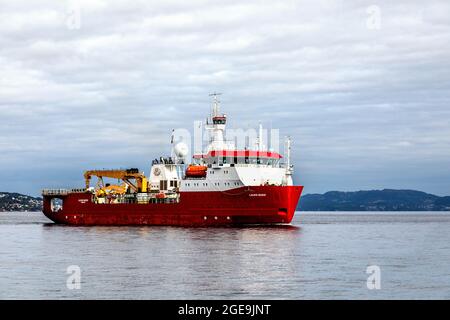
[124, 175]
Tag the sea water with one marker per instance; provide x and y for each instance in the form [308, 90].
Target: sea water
[339, 255]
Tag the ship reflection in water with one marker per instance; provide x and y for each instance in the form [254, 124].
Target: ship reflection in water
[322, 256]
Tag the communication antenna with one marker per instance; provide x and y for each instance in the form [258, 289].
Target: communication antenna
[288, 155]
[216, 102]
[260, 137]
[171, 143]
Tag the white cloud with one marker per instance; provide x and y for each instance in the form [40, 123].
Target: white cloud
[367, 104]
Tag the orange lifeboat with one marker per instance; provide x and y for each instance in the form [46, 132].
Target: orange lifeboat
[196, 171]
[160, 196]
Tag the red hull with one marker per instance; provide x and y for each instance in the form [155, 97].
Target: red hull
[246, 205]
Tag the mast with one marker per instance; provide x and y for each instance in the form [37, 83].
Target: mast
[171, 144]
[217, 125]
[287, 148]
[260, 138]
[289, 167]
[216, 104]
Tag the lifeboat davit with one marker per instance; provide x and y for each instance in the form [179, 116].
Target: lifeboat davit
[196, 171]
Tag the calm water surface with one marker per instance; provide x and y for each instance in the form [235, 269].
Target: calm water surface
[321, 256]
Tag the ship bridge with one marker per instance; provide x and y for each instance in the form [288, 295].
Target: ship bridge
[238, 157]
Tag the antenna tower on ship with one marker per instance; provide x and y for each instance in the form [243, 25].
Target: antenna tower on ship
[216, 104]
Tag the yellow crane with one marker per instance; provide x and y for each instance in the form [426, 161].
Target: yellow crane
[126, 176]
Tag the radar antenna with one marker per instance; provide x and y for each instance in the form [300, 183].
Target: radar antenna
[216, 103]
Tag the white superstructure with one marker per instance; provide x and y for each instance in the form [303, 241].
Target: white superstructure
[224, 167]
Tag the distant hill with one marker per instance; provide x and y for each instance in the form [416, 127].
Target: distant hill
[19, 202]
[374, 200]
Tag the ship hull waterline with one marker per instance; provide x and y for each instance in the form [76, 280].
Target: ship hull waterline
[240, 206]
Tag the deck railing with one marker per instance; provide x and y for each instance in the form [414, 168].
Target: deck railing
[61, 192]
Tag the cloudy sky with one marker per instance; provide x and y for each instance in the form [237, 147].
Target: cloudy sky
[363, 87]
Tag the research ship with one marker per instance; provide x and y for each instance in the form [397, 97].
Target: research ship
[221, 186]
